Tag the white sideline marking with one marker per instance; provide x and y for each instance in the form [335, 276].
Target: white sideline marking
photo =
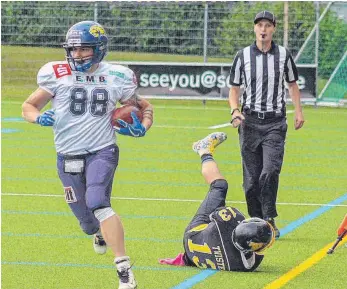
[169, 200]
[220, 125]
[226, 108]
[229, 124]
[175, 126]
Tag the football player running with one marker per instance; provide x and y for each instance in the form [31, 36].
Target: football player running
[84, 91]
[219, 237]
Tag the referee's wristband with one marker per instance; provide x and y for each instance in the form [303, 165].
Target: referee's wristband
[233, 110]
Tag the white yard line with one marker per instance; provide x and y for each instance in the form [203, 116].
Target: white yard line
[175, 126]
[165, 200]
[229, 124]
[220, 125]
[199, 106]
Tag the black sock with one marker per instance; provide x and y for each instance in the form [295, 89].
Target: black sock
[206, 158]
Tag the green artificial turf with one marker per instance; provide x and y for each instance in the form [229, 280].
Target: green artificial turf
[156, 191]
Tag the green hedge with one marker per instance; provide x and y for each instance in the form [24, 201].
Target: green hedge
[174, 28]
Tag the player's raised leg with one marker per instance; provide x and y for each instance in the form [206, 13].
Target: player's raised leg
[205, 148]
[218, 186]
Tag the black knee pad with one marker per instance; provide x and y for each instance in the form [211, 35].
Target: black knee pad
[220, 184]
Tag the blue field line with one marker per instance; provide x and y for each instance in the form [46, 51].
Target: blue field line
[205, 127]
[190, 282]
[182, 150]
[317, 156]
[287, 164]
[170, 184]
[15, 212]
[122, 169]
[69, 214]
[292, 226]
[339, 142]
[9, 130]
[140, 159]
[167, 171]
[94, 266]
[52, 236]
[12, 119]
[56, 180]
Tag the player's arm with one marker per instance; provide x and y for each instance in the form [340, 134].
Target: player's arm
[236, 116]
[235, 80]
[291, 75]
[144, 106]
[35, 102]
[294, 93]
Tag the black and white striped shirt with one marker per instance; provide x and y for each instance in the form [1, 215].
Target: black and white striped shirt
[263, 75]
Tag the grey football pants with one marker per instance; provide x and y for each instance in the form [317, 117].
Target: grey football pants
[90, 190]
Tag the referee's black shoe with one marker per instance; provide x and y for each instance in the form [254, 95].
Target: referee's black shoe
[272, 222]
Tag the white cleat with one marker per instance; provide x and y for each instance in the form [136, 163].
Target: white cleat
[208, 144]
[99, 244]
[125, 274]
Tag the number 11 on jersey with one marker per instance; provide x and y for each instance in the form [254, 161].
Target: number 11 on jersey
[201, 249]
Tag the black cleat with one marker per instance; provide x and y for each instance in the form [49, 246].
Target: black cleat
[99, 244]
[272, 223]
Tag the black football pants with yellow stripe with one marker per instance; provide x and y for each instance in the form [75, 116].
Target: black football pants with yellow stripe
[214, 199]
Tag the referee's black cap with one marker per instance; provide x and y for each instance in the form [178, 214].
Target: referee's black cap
[265, 15]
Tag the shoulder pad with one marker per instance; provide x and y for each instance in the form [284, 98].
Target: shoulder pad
[49, 74]
[56, 70]
[121, 72]
[226, 214]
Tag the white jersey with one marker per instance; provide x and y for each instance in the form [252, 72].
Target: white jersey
[83, 104]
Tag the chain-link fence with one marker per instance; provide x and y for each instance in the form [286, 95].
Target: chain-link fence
[209, 29]
[167, 27]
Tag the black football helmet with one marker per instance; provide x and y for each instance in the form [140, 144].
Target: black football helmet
[253, 235]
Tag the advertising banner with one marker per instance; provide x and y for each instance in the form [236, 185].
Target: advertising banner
[198, 80]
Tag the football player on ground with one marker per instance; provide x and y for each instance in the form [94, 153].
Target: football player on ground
[219, 237]
[84, 92]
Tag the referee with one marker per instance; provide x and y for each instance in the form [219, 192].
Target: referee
[262, 69]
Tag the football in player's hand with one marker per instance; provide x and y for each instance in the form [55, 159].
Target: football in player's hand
[124, 113]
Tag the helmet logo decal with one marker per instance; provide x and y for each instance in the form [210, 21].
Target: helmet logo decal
[74, 37]
[75, 32]
[96, 30]
[74, 41]
[256, 246]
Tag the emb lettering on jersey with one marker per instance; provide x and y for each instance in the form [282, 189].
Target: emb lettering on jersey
[90, 79]
[61, 70]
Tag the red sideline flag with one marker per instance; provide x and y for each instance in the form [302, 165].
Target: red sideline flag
[343, 226]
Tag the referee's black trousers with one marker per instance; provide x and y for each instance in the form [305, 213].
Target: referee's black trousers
[262, 150]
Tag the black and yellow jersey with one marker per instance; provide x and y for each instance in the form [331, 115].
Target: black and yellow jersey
[209, 245]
